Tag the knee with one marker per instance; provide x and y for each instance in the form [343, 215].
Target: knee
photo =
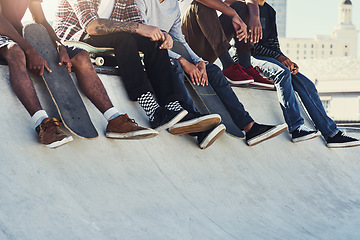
[176, 67]
[215, 76]
[282, 76]
[15, 55]
[285, 73]
[81, 60]
[123, 38]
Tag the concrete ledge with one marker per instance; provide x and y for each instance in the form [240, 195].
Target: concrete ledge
[167, 188]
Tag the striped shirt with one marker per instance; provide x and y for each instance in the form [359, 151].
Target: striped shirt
[269, 45]
[73, 16]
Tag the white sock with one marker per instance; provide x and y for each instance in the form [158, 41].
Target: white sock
[111, 113]
[38, 117]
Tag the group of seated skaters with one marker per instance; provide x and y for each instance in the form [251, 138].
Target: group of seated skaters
[157, 82]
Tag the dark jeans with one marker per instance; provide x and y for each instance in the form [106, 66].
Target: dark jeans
[156, 78]
[220, 85]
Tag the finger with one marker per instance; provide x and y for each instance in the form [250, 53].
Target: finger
[256, 36]
[162, 36]
[68, 66]
[251, 34]
[46, 67]
[41, 70]
[242, 36]
[192, 79]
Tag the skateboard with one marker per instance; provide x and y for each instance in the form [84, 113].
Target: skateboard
[103, 58]
[99, 55]
[209, 99]
[60, 85]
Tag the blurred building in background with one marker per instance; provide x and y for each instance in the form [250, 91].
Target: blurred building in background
[280, 7]
[342, 43]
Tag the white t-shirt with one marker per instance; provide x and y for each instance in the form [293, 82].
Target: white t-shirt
[105, 8]
[167, 17]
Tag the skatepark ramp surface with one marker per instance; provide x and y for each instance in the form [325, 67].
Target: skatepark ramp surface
[166, 188]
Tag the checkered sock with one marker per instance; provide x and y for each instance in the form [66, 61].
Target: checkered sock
[174, 106]
[149, 104]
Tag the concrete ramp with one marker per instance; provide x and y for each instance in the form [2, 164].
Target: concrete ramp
[166, 188]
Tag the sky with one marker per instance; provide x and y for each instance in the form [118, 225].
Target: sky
[305, 18]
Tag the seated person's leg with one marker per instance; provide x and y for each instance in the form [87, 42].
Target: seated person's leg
[203, 126]
[217, 80]
[255, 133]
[179, 77]
[136, 81]
[281, 75]
[311, 100]
[47, 128]
[119, 126]
[243, 49]
[203, 32]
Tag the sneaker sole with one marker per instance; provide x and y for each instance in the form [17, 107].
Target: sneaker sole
[307, 137]
[264, 85]
[60, 143]
[200, 124]
[141, 134]
[173, 121]
[343, 145]
[211, 138]
[242, 82]
[267, 135]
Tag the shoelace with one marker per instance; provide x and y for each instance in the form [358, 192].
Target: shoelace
[130, 120]
[258, 69]
[304, 128]
[238, 67]
[344, 134]
[51, 122]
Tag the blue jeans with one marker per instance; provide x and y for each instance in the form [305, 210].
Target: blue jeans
[221, 87]
[286, 84]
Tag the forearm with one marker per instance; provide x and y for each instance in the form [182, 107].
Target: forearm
[39, 17]
[105, 26]
[6, 29]
[253, 8]
[219, 6]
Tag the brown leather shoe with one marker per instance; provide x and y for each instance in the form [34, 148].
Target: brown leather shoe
[126, 128]
[50, 134]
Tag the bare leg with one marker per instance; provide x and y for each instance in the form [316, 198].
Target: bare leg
[89, 81]
[249, 126]
[19, 78]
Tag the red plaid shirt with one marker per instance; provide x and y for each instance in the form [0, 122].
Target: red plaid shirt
[73, 16]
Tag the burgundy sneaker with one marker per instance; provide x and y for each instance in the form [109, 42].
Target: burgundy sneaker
[236, 75]
[259, 81]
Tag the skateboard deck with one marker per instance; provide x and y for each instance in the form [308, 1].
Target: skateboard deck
[99, 55]
[210, 100]
[60, 85]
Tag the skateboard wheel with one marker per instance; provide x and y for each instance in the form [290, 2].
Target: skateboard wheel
[99, 61]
